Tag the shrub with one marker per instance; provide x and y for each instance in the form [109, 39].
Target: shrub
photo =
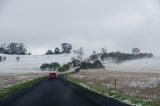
[65, 67]
[44, 66]
[1, 58]
[49, 52]
[60, 69]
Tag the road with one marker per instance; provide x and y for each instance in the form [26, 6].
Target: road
[54, 93]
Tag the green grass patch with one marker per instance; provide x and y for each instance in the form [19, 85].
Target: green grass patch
[120, 96]
[6, 92]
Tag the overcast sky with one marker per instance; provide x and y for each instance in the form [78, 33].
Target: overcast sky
[91, 24]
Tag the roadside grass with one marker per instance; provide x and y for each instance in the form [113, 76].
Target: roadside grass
[6, 92]
[118, 95]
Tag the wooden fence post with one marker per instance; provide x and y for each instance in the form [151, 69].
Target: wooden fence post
[115, 84]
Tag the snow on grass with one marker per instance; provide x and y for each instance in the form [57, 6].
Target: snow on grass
[30, 63]
[134, 84]
[150, 65]
[28, 67]
[9, 79]
[148, 83]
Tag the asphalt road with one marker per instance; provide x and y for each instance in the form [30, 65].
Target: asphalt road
[54, 93]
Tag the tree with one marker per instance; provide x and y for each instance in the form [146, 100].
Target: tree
[13, 48]
[49, 52]
[104, 50]
[75, 62]
[94, 52]
[54, 66]
[16, 48]
[4, 58]
[94, 56]
[66, 47]
[44, 66]
[57, 51]
[79, 54]
[21, 49]
[135, 51]
[2, 50]
[1, 58]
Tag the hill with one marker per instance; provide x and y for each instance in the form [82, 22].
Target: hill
[30, 63]
[151, 65]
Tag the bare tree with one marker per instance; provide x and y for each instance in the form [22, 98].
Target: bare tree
[79, 54]
[104, 50]
[17, 58]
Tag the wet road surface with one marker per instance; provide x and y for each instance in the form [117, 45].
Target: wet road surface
[55, 93]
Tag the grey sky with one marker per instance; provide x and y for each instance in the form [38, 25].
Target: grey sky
[92, 24]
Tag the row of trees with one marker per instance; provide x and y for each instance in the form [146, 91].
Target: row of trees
[94, 60]
[77, 61]
[54, 67]
[65, 48]
[13, 48]
[120, 56]
[20, 49]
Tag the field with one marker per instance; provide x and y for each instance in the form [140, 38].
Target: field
[30, 63]
[10, 79]
[28, 67]
[137, 78]
[141, 85]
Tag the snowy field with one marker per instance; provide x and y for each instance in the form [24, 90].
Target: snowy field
[149, 65]
[9, 79]
[135, 77]
[30, 63]
[13, 72]
[141, 85]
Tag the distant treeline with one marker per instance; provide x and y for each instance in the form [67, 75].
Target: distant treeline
[65, 48]
[13, 48]
[118, 56]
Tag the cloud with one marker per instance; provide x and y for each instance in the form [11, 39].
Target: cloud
[92, 24]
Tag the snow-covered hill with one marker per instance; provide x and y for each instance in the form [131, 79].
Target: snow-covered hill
[151, 65]
[30, 63]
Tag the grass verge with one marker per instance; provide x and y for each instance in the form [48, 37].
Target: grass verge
[6, 92]
[120, 96]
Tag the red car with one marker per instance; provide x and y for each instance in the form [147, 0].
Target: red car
[52, 76]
